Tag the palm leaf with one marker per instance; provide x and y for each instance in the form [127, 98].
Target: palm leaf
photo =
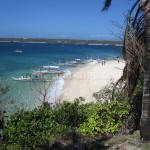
[107, 4]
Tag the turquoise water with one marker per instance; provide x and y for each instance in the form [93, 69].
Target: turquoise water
[34, 55]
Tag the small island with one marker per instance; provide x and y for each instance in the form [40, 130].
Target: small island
[62, 41]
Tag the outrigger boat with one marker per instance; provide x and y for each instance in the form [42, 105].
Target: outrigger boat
[65, 63]
[51, 67]
[73, 63]
[49, 70]
[77, 62]
[32, 78]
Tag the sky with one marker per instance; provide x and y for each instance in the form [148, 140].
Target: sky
[63, 19]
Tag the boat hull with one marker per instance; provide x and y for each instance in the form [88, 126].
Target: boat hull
[30, 80]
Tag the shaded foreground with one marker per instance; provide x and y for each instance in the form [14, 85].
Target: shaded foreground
[68, 126]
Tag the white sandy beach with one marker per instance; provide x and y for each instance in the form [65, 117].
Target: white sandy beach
[91, 78]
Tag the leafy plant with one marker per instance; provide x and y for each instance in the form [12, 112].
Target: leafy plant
[105, 118]
[32, 128]
[71, 114]
[42, 125]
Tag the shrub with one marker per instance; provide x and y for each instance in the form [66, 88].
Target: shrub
[32, 128]
[71, 114]
[105, 118]
[42, 125]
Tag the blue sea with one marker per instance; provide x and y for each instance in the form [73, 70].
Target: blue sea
[34, 55]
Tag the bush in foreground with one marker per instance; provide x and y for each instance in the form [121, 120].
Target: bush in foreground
[42, 126]
[105, 118]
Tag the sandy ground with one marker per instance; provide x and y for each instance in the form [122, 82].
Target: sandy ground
[90, 78]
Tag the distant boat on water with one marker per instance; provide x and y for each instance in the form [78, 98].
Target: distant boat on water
[94, 44]
[30, 77]
[51, 67]
[18, 51]
[49, 70]
[119, 45]
[66, 63]
[77, 61]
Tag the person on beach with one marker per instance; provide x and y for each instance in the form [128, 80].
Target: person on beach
[104, 61]
[117, 58]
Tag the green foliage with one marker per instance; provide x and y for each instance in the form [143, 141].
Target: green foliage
[146, 146]
[71, 114]
[32, 128]
[11, 147]
[106, 118]
[41, 126]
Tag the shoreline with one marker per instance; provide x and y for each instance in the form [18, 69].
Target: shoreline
[83, 81]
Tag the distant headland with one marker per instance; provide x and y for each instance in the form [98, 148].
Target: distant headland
[61, 41]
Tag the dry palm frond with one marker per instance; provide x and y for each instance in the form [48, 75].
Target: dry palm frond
[107, 4]
[133, 50]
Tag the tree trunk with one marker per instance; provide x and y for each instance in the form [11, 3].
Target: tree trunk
[145, 117]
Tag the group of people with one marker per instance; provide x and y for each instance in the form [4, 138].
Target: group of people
[103, 62]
